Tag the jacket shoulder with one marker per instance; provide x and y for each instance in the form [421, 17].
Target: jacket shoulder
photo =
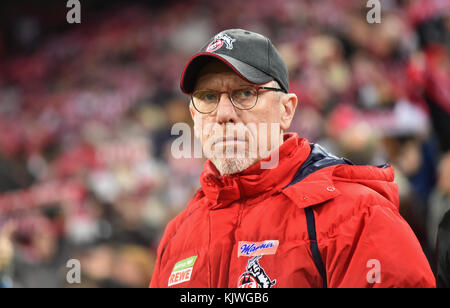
[355, 202]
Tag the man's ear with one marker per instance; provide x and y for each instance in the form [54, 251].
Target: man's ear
[191, 110]
[288, 104]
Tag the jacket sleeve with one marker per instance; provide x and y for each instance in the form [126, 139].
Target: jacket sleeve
[375, 248]
[156, 279]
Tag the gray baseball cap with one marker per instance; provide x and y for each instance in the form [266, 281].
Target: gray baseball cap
[251, 55]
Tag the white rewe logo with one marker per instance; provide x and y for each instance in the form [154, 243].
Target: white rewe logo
[182, 271]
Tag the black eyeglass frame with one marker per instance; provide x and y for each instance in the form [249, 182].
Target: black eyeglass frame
[257, 88]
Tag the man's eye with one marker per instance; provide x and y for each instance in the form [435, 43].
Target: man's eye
[207, 96]
[210, 96]
[245, 93]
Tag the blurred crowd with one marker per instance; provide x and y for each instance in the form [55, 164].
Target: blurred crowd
[86, 112]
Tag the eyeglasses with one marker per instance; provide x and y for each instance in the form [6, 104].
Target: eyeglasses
[245, 98]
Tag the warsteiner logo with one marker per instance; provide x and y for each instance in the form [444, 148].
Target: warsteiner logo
[251, 249]
[255, 276]
[218, 42]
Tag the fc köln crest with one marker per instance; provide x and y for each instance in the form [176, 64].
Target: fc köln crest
[220, 40]
[255, 276]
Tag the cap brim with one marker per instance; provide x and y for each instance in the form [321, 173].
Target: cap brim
[194, 65]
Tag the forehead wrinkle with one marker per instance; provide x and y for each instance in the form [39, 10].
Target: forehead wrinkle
[220, 81]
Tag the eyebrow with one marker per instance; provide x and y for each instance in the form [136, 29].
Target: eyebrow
[237, 87]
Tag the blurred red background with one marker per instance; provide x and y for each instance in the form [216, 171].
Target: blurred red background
[86, 111]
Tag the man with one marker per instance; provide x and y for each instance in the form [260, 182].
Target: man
[274, 210]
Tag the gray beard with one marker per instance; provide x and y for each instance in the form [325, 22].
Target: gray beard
[232, 165]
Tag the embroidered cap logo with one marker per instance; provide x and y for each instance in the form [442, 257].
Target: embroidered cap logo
[219, 40]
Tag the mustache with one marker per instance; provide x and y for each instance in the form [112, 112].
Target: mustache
[215, 139]
[218, 133]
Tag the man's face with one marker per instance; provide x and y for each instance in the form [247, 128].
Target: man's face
[235, 139]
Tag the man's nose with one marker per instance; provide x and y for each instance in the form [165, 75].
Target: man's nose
[226, 112]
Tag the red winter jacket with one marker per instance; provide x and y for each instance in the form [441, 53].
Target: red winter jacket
[313, 221]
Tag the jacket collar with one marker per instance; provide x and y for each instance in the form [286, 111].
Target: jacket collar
[223, 190]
